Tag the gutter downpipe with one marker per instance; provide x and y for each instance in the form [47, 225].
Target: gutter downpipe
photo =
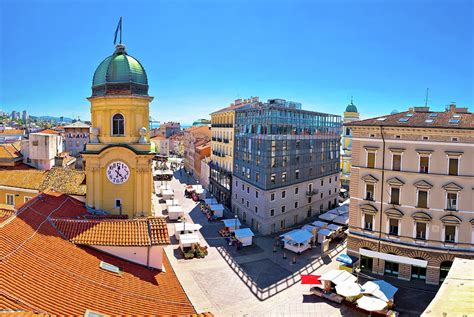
[381, 195]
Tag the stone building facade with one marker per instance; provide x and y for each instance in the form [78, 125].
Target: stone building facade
[412, 192]
[286, 164]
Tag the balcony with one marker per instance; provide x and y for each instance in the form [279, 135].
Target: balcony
[213, 139]
[219, 139]
[312, 192]
[226, 140]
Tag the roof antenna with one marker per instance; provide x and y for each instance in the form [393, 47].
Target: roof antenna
[426, 99]
[119, 27]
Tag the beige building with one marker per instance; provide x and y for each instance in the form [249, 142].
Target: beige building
[412, 192]
[195, 137]
[222, 146]
[162, 145]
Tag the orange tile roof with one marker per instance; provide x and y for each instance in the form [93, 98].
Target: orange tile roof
[6, 211]
[114, 232]
[48, 131]
[10, 151]
[43, 272]
[29, 179]
[12, 131]
[158, 137]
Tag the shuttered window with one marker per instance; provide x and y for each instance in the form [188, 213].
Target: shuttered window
[453, 166]
[395, 196]
[422, 199]
[397, 162]
[371, 160]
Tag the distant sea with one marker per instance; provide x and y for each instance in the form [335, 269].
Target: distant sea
[156, 125]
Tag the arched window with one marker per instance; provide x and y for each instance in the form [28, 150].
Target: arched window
[118, 126]
[444, 269]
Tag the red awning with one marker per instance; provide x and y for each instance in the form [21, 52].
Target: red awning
[310, 279]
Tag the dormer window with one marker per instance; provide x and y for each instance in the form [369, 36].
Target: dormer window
[118, 125]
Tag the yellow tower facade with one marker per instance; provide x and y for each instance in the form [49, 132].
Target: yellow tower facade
[118, 158]
[350, 115]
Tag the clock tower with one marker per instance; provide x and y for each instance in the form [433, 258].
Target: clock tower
[119, 155]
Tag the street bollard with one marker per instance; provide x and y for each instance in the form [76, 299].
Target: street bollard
[284, 255]
[294, 260]
[274, 248]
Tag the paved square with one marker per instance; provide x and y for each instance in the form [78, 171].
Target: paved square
[265, 272]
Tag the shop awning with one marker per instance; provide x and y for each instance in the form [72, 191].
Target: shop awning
[243, 233]
[310, 279]
[393, 258]
[231, 222]
[320, 224]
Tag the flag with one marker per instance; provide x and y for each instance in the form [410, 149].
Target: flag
[310, 279]
[119, 26]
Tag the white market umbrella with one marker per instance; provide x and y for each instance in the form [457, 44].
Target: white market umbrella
[370, 303]
[348, 289]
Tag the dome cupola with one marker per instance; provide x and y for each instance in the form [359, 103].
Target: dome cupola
[351, 107]
[120, 74]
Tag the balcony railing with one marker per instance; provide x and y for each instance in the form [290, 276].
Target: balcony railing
[222, 125]
[312, 192]
[213, 138]
[226, 140]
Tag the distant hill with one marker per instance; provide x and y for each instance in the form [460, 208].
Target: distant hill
[51, 118]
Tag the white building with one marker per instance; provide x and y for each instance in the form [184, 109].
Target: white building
[40, 149]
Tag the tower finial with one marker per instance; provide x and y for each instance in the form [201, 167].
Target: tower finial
[426, 99]
[352, 102]
[119, 28]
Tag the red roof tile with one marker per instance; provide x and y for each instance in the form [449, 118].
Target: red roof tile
[43, 272]
[114, 232]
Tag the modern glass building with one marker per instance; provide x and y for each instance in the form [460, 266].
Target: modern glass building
[277, 146]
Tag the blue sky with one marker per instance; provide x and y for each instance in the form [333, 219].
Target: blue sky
[201, 55]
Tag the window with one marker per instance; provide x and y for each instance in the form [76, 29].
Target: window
[272, 196]
[296, 190]
[35, 143]
[422, 199]
[330, 180]
[452, 201]
[449, 233]
[248, 204]
[295, 219]
[454, 139]
[297, 174]
[236, 183]
[371, 159]
[272, 178]
[248, 190]
[321, 208]
[425, 137]
[256, 209]
[242, 200]
[369, 192]
[257, 176]
[118, 127]
[296, 204]
[393, 227]
[420, 228]
[309, 200]
[424, 164]
[321, 195]
[243, 187]
[282, 224]
[283, 194]
[10, 199]
[322, 182]
[395, 196]
[453, 166]
[256, 194]
[308, 214]
[348, 131]
[396, 162]
[398, 137]
[118, 203]
[283, 209]
[272, 212]
[368, 222]
[26, 198]
[283, 177]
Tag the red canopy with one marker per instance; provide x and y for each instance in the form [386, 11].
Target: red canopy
[310, 279]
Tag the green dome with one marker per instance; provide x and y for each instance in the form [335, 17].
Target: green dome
[120, 73]
[351, 107]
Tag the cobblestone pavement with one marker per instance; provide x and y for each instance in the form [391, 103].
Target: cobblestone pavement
[212, 283]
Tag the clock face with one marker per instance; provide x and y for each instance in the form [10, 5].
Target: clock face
[118, 172]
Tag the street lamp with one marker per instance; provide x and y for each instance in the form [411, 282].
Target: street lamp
[236, 217]
[357, 269]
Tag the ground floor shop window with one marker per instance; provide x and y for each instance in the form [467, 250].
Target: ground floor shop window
[444, 269]
[418, 273]
[366, 263]
[391, 268]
